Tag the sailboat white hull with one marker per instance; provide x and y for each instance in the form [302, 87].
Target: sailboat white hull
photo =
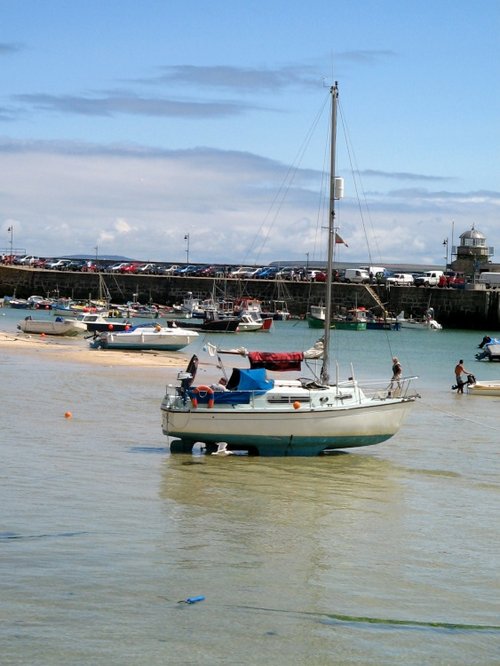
[286, 423]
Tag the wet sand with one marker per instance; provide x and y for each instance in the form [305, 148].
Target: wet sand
[78, 350]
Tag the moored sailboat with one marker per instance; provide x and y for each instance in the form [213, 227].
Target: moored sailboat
[285, 417]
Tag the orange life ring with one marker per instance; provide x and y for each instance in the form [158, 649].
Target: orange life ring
[203, 390]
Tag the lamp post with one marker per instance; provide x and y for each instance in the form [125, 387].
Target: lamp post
[11, 231]
[307, 261]
[445, 243]
[186, 238]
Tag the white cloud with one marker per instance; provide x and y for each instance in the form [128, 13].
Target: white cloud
[138, 202]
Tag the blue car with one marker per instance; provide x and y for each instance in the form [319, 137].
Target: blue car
[267, 273]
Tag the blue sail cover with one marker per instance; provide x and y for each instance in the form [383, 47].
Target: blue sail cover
[254, 380]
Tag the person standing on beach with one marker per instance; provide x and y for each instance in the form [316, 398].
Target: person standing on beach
[459, 371]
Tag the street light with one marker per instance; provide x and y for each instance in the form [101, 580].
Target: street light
[186, 238]
[445, 243]
[11, 230]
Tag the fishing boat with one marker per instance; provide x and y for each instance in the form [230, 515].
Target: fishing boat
[316, 316]
[211, 323]
[276, 310]
[67, 326]
[146, 338]
[353, 320]
[266, 416]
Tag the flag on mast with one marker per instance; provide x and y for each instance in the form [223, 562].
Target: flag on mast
[339, 239]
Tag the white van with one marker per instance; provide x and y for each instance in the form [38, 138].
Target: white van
[373, 270]
[428, 279]
[359, 275]
[489, 279]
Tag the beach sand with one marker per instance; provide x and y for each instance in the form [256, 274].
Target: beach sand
[78, 350]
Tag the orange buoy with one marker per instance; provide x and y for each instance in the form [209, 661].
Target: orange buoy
[67, 415]
[110, 327]
[296, 405]
[203, 391]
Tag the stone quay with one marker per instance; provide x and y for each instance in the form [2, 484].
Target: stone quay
[470, 308]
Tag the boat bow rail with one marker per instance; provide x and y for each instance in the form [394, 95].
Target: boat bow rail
[291, 396]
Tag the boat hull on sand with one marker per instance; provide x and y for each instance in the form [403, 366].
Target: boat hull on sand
[59, 326]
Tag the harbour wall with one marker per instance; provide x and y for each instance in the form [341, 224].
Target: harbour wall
[471, 308]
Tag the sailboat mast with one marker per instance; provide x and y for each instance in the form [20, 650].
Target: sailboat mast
[325, 374]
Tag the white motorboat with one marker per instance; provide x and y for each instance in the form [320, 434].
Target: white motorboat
[490, 349]
[285, 417]
[146, 337]
[425, 323]
[490, 388]
[249, 322]
[96, 322]
[316, 316]
[59, 326]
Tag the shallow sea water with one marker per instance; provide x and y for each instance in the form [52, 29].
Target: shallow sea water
[384, 555]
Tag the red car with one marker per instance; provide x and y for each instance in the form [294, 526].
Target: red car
[129, 268]
[452, 279]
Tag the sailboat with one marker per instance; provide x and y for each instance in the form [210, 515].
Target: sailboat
[285, 417]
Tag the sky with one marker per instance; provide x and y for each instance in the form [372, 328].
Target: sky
[198, 130]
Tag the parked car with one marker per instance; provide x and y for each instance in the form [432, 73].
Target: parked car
[184, 271]
[129, 268]
[266, 273]
[169, 270]
[75, 265]
[116, 268]
[40, 262]
[452, 279]
[490, 279]
[357, 275]
[16, 259]
[27, 260]
[148, 269]
[285, 273]
[400, 279]
[58, 264]
[241, 272]
[207, 271]
[428, 279]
